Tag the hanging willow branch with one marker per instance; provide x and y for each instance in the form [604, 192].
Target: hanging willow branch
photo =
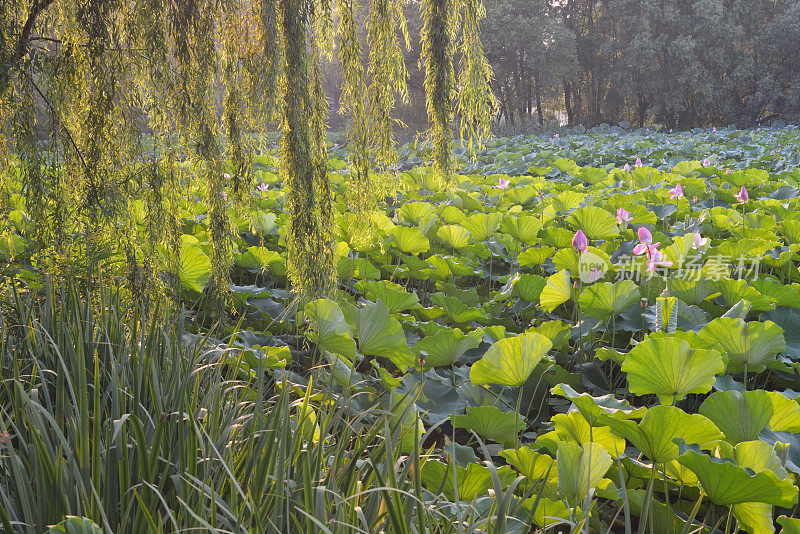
[310, 256]
[476, 102]
[387, 72]
[352, 103]
[101, 66]
[437, 57]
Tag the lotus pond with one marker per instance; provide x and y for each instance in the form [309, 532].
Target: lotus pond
[597, 330]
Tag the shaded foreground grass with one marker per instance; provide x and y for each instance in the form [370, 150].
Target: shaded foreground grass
[110, 416]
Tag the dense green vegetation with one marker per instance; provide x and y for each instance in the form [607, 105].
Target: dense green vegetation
[496, 356]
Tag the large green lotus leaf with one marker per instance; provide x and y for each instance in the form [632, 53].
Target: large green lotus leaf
[565, 165]
[566, 200]
[473, 482]
[789, 320]
[754, 517]
[414, 212]
[523, 228]
[790, 525]
[534, 256]
[523, 196]
[758, 456]
[533, 465]
[745, 249]
[735, 290]
[592, 407]
[785, 413]
[380, 334]
[580, 469]
[679, 250]
[529, 287]
[490, 423]
[556, 331]
[75, 525]
[724, 218]
[692, 292]
[481, 226]
[410, 240]
[395, 296]
[548, 512]
[665, 314]
[195, 267]
[670, 368]
[726, 483]
[573, 427]
[661, 424]
[457, 311]
[263, 223]
[607, 299]
[360, 268]
[446, 346]
[262, 259]
[567, 259]
[782, 295]
[595, 222]
[557, 291]
[755, 343]
[328, 328]
[743, 415]
[558, 237]
[454, 236]
[780, 256]
[791, 231]
[740, 415]
[451, 214]
[510, 360]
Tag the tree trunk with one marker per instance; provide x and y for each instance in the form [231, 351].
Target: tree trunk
[539, 109]
[568, 103]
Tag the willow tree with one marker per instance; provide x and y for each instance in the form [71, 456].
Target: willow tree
[215, 71]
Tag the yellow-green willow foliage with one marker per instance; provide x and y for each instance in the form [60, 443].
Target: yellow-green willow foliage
[438, 46]
[387, 73]
[352, 102]
[104, 199]
[476, 103]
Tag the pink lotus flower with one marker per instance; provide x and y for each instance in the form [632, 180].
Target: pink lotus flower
[638, 163]
[676, 193]
[502, 183]
[714, 129]
[728, 171]
[626, 167]
[656, 258]
[645, 236]
[226, 176]
[555, 136]
[579, 241]
[772, 153]
[623, 216]
[706, 162]
[743, 195]
[224, 196]
[262, 187]
[523, 158]
[650, 249]
[593, 275]
[699, 241]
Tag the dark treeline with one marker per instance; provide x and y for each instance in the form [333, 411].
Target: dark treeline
[678, 63]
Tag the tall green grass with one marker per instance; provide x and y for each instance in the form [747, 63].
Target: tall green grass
[113, 417]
